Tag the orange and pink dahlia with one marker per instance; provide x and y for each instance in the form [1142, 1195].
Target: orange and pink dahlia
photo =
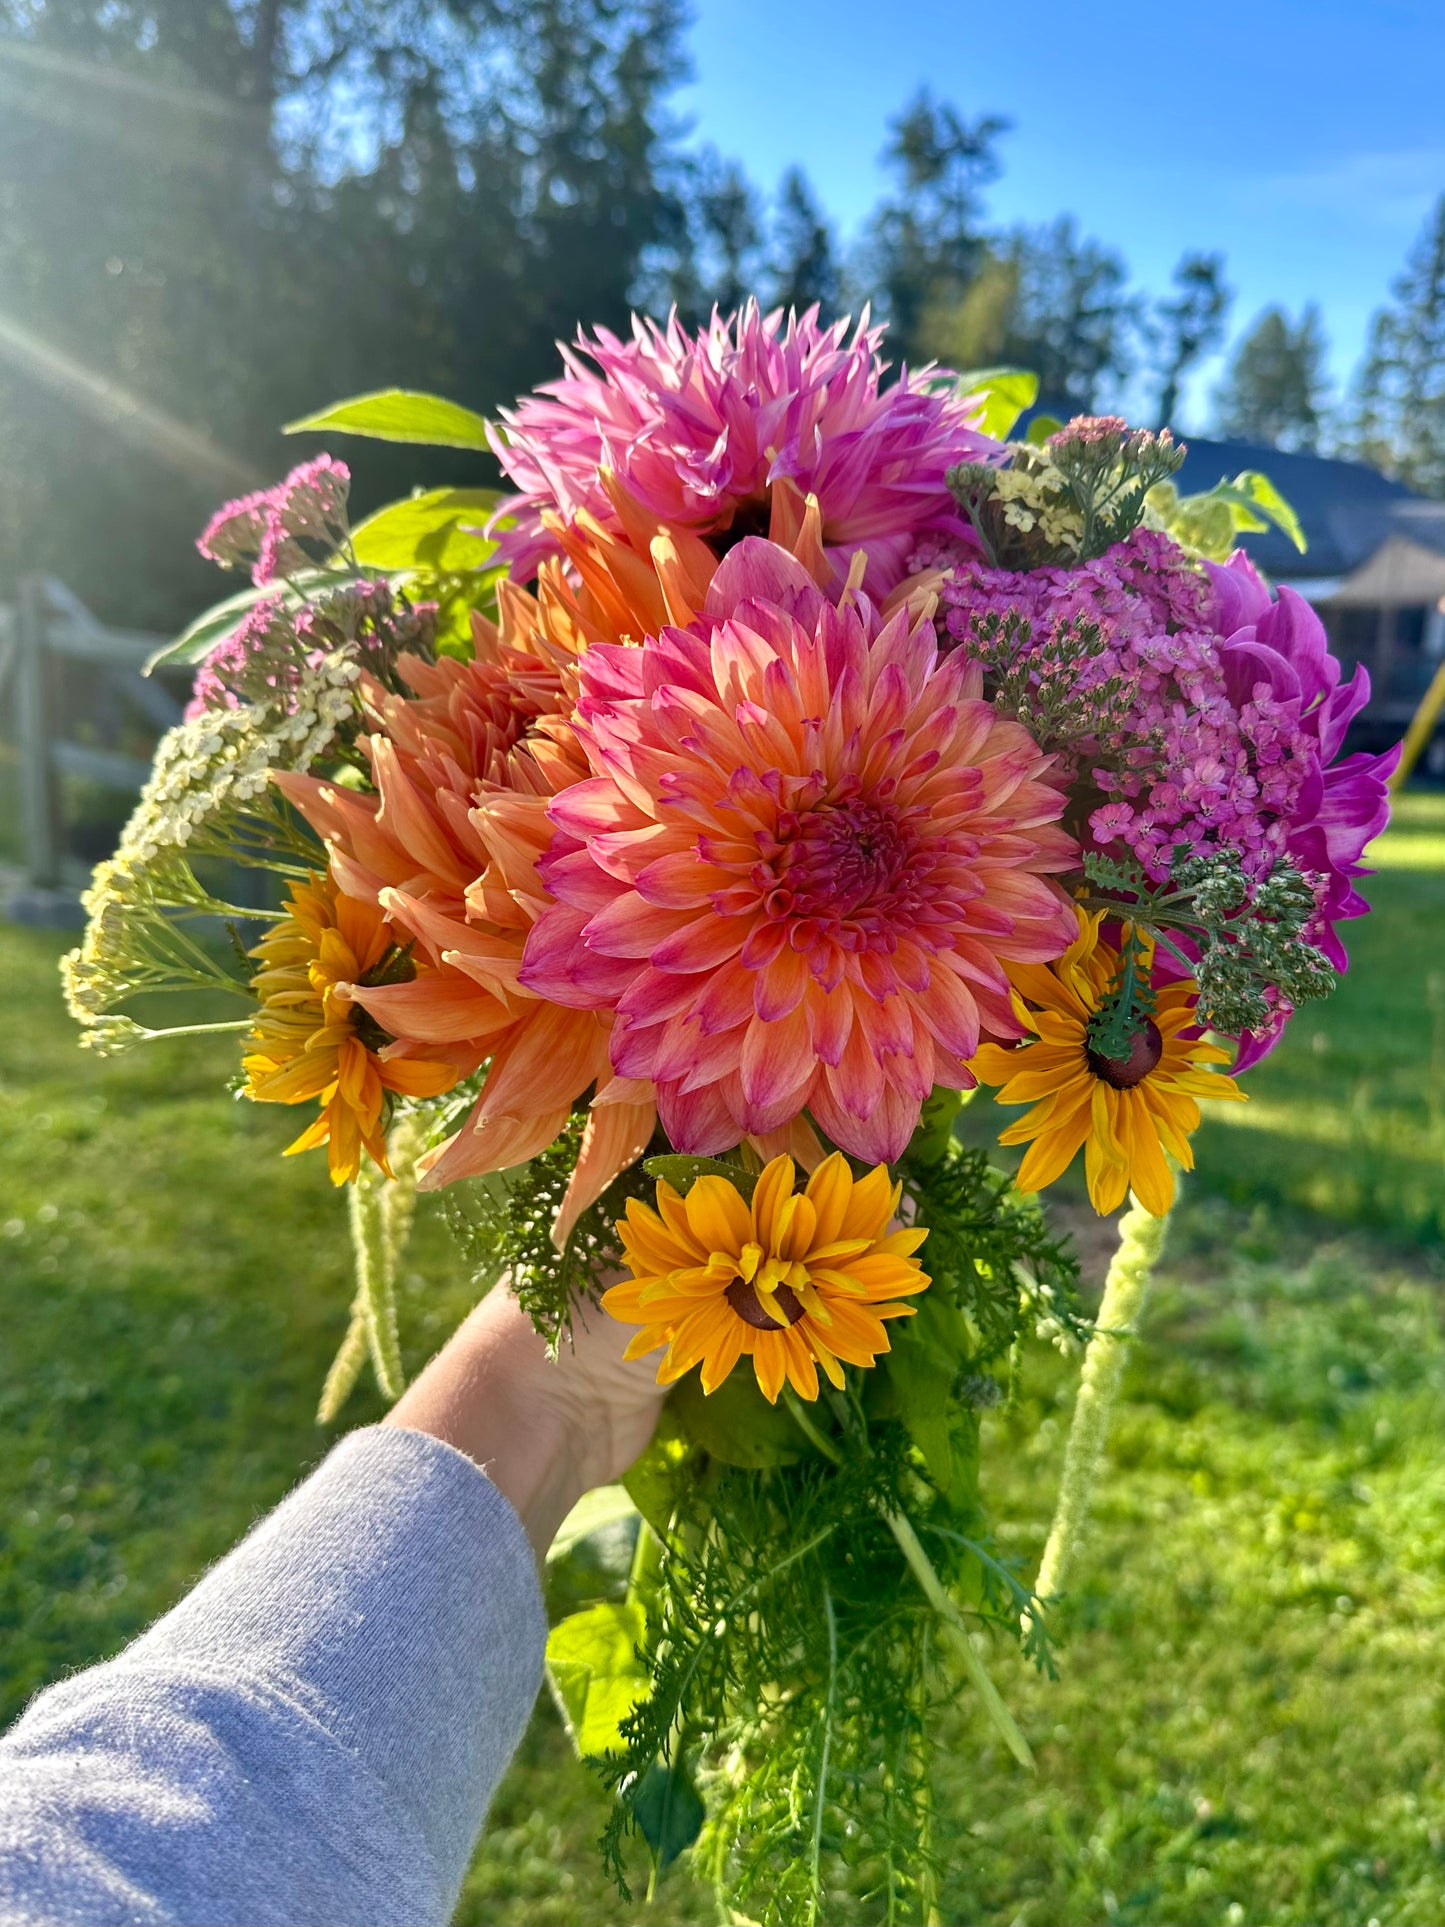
[699, 429]
[807, 852]
[448, 848]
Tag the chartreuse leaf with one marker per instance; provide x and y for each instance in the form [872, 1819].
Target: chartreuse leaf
[653, 1481]
[1251, 490]
[1040, 429]
[735, 1423]
[1000, 396]
[605, 1505]
[595, 1672]
[668, 1810]
[682, 1173]
[1208, 523]
[435, 529]
[400, 415]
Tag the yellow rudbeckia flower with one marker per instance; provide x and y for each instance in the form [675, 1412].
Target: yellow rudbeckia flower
[1123, 1113]
[795, 1281]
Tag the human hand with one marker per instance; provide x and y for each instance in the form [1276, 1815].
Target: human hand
[543, 1431]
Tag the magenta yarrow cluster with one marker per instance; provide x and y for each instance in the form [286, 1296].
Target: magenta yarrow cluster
[1235, 715]
[278, 531]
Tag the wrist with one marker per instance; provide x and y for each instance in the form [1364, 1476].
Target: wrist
[490, 1394]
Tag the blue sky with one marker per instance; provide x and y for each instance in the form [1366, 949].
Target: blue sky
[1305, 140]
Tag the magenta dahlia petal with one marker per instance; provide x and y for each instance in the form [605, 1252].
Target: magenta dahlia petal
[1241, 596]
[699, 428]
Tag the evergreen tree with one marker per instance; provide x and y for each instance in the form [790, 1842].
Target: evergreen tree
[803, 262]
[265, 204]
[926, 246]
[1398, 403]
[1186, 325]
[1048, 300]
[1275, 389]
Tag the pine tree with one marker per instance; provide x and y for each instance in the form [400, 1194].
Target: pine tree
[1048, 300]
[803, 265]
[1398, 403]
[1275, 389]
[926, 244]
[1187, 325]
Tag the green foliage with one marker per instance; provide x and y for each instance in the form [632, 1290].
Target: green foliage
[1046, 299]
[1248, 932]
[1275, 390]
[735, 1424]
[1002, 395]
[435, 530]
[399, 415]
[991, 1252]
[668, 1811]
[682, 1173]
[800, 1622]
[1207, 524]
[1397, 409]
[503, 1222]
[596, 1674]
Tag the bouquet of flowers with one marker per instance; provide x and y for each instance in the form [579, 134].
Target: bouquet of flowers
[664, 852]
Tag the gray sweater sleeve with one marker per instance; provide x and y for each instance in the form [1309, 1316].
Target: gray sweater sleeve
[312, 1735]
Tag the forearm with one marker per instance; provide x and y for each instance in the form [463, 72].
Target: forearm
[312, 1735]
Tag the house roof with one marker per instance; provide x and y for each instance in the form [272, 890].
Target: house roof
[1345, 509]
[1401, 572]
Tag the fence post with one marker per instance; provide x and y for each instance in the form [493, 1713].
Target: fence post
[37, 781]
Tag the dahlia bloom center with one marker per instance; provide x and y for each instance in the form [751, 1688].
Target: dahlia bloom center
[806, 851]
[854, 864]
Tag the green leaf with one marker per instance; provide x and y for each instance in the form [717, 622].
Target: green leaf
[1040, 429]
[1257, 491]
[434, 530]
[605, 1505]
[668, 1811]
[595, 1672]
[923, 1386]
[682, 1173]
[1001, 395]
[652, 1483]
[736, 1423]
[400, 415]
[201, 636]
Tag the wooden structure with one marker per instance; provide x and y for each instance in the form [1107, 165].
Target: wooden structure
[48, 639]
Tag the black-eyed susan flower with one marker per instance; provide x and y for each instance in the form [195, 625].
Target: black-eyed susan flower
[310, 1039]
[794, 1281]
[1124, 1111]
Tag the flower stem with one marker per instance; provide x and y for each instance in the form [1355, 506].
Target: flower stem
[1141, 1239]
[932, 1586]
[381, 1214]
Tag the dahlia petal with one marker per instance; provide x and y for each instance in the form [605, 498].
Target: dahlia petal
[614, 1136]
[776, 1058]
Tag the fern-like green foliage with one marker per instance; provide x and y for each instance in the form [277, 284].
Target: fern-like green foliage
[503, 1223]
[795, 1664]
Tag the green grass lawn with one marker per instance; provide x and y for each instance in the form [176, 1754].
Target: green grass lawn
[1250, 1720]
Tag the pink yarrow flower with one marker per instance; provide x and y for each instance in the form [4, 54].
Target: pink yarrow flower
[698, 428]
[277, 531]
[808, 848]
[1235, 718]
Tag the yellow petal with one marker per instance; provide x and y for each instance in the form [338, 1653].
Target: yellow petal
[717, 1216]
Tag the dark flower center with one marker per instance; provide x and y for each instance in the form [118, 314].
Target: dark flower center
[749, 1307]
[1123, 1073]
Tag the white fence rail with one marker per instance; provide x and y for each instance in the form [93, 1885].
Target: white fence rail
[44, 631]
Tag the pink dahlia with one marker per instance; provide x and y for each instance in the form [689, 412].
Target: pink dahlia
[807, 852]
[699, 428]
